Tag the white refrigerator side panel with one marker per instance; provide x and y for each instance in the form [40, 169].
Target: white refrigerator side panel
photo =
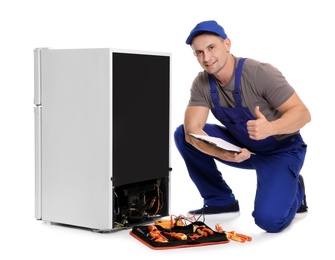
[75, 97]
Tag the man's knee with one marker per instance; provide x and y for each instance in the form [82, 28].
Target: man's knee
[270, 222]
[179, 133]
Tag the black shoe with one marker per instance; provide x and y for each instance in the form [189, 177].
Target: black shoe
[216, 211]
[302, 211]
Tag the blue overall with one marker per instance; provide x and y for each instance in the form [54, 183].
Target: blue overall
[277, 164]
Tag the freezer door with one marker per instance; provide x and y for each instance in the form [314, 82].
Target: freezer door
[75, 126]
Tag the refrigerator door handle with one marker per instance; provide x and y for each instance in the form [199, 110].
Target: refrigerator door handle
[38, 163]
[37, 76]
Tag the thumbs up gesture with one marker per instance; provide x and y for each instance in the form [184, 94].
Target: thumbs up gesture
[260, 128]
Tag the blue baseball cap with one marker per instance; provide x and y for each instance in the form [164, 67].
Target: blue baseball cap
[206, 27]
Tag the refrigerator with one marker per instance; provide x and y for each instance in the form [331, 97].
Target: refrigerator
[102, 137]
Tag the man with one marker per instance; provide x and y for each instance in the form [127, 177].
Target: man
[261, 113]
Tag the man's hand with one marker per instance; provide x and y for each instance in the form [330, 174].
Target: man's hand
[243, 155]
[260, 128]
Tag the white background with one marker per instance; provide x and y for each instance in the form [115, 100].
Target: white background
[295, 36]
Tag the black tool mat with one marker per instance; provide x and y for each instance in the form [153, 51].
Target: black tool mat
[142, 234]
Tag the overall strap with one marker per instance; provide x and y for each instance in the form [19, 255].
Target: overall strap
[238, 74]
[236, 93]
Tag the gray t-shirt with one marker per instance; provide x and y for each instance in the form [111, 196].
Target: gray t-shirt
[261, 84]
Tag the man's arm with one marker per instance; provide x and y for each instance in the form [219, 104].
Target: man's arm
[194, 122]
[295, 115]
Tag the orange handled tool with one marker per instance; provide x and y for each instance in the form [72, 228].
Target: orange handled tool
[233, 235]
[156, 235]
[179, 236]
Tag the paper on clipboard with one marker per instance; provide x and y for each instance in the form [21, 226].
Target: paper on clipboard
[217, 142]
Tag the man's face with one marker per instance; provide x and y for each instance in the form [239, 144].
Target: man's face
[211, 51]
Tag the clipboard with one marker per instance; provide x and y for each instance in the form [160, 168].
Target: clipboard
[218, 142]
